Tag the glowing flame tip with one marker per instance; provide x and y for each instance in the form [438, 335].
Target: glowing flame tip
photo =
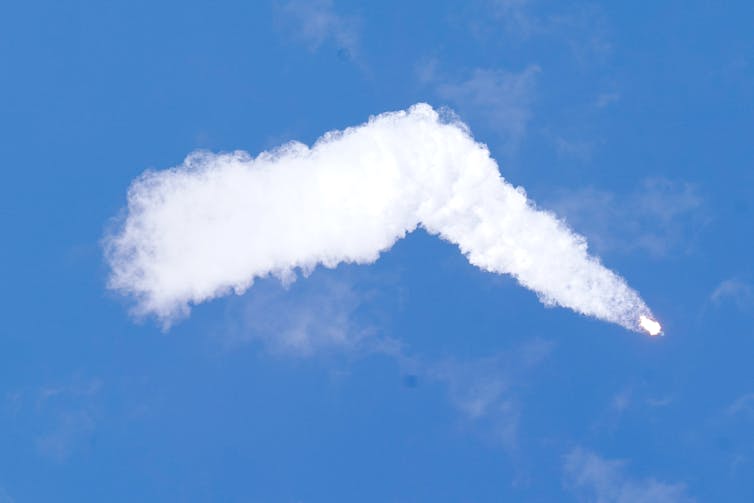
[651, 326]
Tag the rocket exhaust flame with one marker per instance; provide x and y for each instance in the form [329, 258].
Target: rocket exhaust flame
[652, 327]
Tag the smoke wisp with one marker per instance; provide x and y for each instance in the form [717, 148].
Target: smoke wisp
[212, 225]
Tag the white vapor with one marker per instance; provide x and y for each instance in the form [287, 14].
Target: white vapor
[218, 221]
[600, 480]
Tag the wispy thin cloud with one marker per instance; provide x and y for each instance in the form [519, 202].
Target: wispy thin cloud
[660, 217]
[486, 390]
[742, 406]
[516, 17]
[605, 99]
[585, 31]
[573, 148]
[636, 400]
[596, 479]
[502, 99]
[71, 426]
[577, 33]
[5, 497]
[580, 28]
[332, 315]
[327, 313]
[317, 22]
[63, 414]
[735, 291]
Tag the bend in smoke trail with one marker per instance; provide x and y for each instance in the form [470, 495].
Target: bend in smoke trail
[218, 221]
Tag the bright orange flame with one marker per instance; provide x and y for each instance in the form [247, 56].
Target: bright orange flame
[651, 326]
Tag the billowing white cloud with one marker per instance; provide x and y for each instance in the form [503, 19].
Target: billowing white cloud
[212, 225]
[599, 480]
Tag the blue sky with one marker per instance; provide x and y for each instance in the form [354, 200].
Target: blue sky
[419, 377]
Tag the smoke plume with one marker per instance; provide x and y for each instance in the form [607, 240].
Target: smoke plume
[218, 221]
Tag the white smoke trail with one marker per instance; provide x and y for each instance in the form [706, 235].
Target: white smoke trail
[218, 221]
